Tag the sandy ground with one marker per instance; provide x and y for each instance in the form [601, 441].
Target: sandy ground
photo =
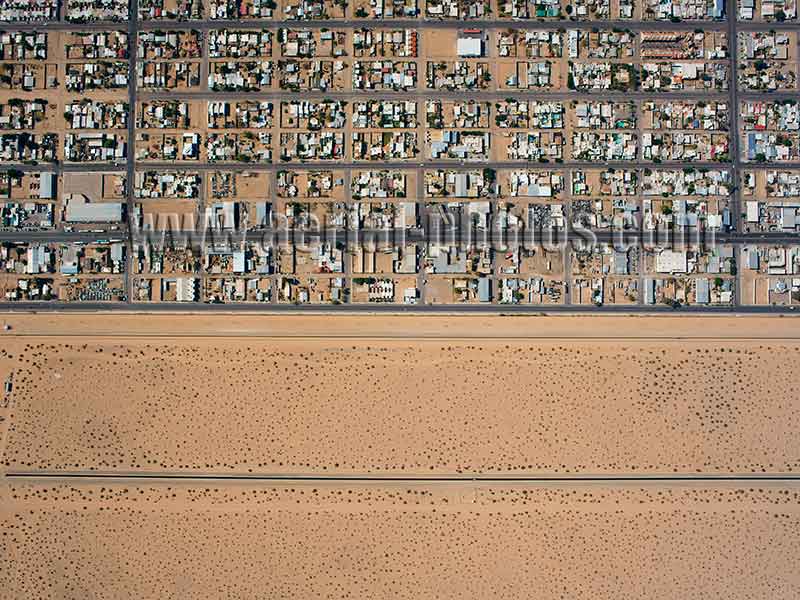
[387, 405]
[364, 325]
[311, 540]
[416, 397]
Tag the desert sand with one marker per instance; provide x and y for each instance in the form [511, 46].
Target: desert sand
[312, 540]
[123, 434]
[413, 404]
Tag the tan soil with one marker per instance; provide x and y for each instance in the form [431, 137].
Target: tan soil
[389, 401]
[314, 540]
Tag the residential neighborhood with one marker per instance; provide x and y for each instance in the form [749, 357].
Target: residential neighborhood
[394, 152]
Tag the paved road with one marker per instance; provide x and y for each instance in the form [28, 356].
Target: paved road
[133, 28]
[397, 164]
[482, 96]
[485, 96]
[425, 93]
[383, 165]
[383, 308]
[733, 90]
[420, 23]
[412, 236]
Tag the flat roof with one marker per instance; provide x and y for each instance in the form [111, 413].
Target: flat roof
[93, 212]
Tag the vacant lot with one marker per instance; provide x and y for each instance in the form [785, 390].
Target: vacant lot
[213, 540]
[393, 404]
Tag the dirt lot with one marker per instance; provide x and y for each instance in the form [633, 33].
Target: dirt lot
[315, 540]
[170, 398]
[402, 396]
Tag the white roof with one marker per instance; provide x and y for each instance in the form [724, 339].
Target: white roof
[469, 47]
[752, 212]
[95, 212]
[671, 261]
